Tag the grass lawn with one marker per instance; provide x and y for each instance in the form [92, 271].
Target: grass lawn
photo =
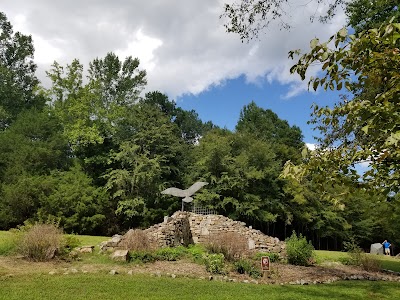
[387, 262]
[323, 255]
[104, 286]
[7, 242]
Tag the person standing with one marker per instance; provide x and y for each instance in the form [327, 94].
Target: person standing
[386, 247]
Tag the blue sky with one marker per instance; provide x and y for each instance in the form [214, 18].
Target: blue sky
[222, 104]
[185, 51]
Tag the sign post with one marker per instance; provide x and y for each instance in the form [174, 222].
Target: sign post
[265, 264]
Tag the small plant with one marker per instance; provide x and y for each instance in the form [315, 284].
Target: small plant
[142, 256]
[357, 257]
[370, 263]
[214, 263]
[273, 256]
[299, 251]
[231, 244]
[70, 242]
[196, 252]
[41, 242]
[170, 254]
[136, 240]
[354, 252]
[244, 266]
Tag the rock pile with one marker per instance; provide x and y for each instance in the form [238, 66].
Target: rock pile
[184, 228]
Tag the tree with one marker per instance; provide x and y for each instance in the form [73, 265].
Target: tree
[366, 14]
[17, 72]
[242, 172]
[148, 159]
[266, 126]
[33, 146]
[90, 113]
[189, 123]
[249, 17]
[365, 128]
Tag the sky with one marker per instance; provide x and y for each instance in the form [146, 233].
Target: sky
[186, 51]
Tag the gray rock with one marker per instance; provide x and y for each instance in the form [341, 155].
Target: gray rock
[85, 249]
[113, 272]
[120, 255]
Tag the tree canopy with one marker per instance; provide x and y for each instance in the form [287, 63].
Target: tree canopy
[93, 154]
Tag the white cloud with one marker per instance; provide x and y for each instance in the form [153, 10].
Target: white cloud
[182, 44]
[311, 146]
[141, 46]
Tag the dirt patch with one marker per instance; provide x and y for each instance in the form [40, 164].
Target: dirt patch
[279, 274]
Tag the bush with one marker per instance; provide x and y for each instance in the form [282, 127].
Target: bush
[370, 263]
[170, 254]
[273, 256]
[231, 244]
[136, 240]
[214, 263]
[70, 242]
[196, 252]
[357, 257]
[244, 266]
[142, 256]
[41, 242]
[299, 252]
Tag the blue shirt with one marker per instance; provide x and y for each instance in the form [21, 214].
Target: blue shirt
[386, 245]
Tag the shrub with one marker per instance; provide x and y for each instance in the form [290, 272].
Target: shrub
[136, 240]
[357, 257]
[70, 242]
[354, 252]
[231, 244]
[245, 266]
[273, 256]
[142, 256]
[214, 263]
[299, 252]
[41, 242]
[196, 252]
[370, 263]
[170, 254]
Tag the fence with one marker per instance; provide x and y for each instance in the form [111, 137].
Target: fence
[203, 210]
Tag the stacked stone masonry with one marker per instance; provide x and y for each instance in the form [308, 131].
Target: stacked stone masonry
[184, 228]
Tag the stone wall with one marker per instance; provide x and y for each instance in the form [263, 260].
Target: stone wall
[184, 228]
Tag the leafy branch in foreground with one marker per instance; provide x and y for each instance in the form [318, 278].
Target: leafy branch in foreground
[365, 128]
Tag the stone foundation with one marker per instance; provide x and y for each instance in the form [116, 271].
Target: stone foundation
[184, 228]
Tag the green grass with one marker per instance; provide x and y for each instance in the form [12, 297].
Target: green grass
[323, 255]
[89, 240]
[7, 242]
[387, 262]
[104, 286]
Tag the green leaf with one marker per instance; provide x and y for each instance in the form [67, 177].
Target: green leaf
[314, 43]
[365, 129]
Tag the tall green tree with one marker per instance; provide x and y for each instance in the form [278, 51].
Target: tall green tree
[365, 128]
[17, 73]
[367, 14]
[148, 159]
[248, 18]
[33, 146]
[267, 126]
[189, 123]
[242, 172]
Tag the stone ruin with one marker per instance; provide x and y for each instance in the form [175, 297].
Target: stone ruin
[184, 228]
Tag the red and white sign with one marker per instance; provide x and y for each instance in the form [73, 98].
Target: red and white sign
[265, 263]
